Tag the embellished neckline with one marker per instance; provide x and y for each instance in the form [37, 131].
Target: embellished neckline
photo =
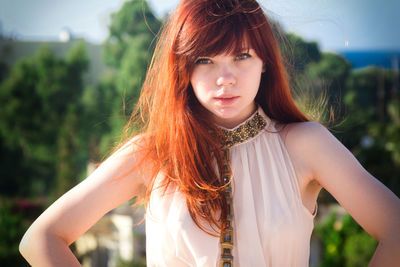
[245, 130]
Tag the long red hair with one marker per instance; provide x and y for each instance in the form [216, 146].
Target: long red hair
[179, 138]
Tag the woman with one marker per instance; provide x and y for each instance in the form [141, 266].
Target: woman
[232, 169]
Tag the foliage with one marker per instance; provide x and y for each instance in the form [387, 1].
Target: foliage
[332, 68]
[392, 132]
[52, 125]
[345, 243]
[317, 78]
[39, 99]
[358, 249]
[132, 263]
[364, 83]
[328, 77]
[374, 124]
[3, 71]
[297, 52]
[373, 86]
[381, 154]
[134, 19]
[127, 50]
[12, 228]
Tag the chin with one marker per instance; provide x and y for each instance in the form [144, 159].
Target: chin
[226, 113]
[226, 116]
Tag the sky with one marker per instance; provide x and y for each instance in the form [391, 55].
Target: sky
[337, 25]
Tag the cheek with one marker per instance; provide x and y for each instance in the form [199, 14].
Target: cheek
[199, 83]
[194, 80]
[198, 92]
[253, 79]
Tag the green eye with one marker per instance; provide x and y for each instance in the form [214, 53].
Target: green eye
[243, 56]
[202, 61]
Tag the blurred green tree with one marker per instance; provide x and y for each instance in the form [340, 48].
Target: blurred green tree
[128, 51]
[379, 148]
[345, 243]
[297, 52]
[134, 19]
[328, 76]
[373, 87]
[36, 98]
[373, 121]
[12, 228]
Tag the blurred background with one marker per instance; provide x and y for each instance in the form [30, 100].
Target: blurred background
[71, 71]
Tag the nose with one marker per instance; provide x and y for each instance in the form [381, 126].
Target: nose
[226, 77]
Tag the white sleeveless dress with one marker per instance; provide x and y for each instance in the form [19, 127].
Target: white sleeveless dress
[271, 225]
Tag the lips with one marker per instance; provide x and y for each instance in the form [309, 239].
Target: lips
[226, 100]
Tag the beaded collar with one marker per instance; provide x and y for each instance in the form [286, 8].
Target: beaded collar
[240, 134]
[244, 132]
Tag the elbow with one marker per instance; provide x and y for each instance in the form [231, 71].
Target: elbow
[22, 248]
[38, 242]
[26, 244]
[393, 240]
[34, 242]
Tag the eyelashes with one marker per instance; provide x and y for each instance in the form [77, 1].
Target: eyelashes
[202, 61]
[243, 56]
[205, 60]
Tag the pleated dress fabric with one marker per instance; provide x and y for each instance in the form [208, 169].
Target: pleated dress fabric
[271, 226]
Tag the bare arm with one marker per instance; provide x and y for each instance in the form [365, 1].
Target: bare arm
[46, 243]
[367, 200]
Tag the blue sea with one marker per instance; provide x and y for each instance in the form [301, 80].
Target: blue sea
[361, 59]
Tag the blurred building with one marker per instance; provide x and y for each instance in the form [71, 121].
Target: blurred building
[114, 239]
[117, 238]
[11, 50]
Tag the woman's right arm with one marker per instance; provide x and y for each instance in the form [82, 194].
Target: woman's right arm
[116, 180]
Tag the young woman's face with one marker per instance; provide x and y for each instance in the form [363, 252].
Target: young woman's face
[226, 85]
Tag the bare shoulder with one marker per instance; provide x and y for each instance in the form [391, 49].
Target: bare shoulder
[306, 138]
[303, 132]
[305, 142]
[336, 169]
[129, 162]
[319, 152]
[132, 145]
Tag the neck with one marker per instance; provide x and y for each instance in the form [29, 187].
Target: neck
[232, 123]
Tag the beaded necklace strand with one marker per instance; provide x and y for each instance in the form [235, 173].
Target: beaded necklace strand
[226, 238]
[233, 137]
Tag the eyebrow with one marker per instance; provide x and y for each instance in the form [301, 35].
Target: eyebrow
[246, 49]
